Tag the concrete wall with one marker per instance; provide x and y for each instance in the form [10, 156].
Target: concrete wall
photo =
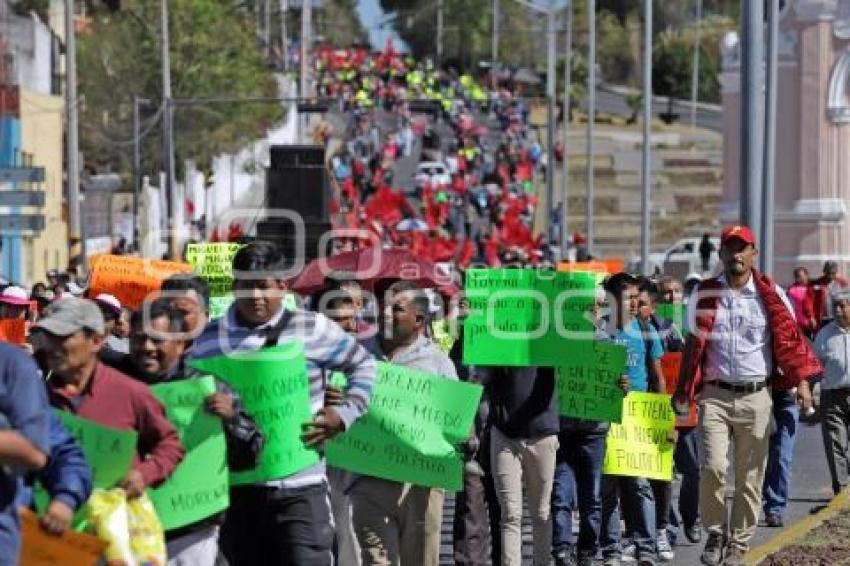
[41, 136]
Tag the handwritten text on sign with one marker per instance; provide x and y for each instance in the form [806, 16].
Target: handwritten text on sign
[214, 262]
[199, 486]
[274, 387]
[588, 381]
[523, 317]
[640, 446]
[131, 279]
[409, 432]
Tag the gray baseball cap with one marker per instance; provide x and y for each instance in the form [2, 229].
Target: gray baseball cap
[66, 316]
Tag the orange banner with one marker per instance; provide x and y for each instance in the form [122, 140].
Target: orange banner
[13, 330]
[671, 363]
[131, 279]
[41, 549]
[612, 265]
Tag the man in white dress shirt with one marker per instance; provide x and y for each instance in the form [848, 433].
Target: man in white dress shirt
[731, 351]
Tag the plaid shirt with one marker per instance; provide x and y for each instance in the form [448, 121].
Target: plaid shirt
[327, 348]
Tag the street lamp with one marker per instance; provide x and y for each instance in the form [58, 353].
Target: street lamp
[550, 13]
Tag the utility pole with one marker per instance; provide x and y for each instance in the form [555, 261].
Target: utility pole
[494, 49]
[306, 42]
[565, 180]
[646, 168]
[439, 61]
[550, 126]
[752, 114]
[695, 70]
[284, 40]
[137, 168]
[767, 247]
[591, 116]
[267, 29]
[76, 227]
[168, 134]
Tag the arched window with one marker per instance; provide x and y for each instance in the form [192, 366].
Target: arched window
[838, 101]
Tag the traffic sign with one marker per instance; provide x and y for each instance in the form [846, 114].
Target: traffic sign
[22, 174]
[21, 198]
[22, 222]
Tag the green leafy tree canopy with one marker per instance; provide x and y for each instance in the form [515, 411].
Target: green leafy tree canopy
[214, 52]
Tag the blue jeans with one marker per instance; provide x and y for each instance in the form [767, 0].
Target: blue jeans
[778, 473]
[638, 511]
[686, 459]
[578, 479]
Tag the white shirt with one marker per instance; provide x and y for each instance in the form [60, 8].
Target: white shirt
[738, 348]
[833, 348]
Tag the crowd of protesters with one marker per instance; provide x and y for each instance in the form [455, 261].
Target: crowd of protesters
[751, 356]
[482, 208]
[748, 359]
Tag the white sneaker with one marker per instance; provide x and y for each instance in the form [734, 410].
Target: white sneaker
[629, 551]
[662, 545]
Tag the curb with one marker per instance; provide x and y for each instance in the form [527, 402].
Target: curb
[799, 529]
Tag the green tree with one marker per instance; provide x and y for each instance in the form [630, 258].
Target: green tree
[214, 52]
[672, 60]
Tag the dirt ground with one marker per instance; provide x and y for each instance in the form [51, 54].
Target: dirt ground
[826, 545]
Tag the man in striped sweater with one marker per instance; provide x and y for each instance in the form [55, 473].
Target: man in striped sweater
[287, 520]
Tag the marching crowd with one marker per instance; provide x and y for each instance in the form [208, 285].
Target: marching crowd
[751, 354]
[482, 207]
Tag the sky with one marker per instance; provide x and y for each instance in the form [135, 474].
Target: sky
[371, 15]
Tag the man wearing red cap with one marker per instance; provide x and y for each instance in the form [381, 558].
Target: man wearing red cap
[744, 346]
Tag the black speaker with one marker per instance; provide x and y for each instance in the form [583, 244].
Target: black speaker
[282, 232]
[297, 180]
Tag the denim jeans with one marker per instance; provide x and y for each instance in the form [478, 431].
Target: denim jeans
[778, 474]
[578, 481]
[638, 511]
[686, 459]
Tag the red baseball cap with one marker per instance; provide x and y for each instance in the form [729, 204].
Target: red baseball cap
[739, 232]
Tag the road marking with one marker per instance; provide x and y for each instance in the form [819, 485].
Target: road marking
[799, 529]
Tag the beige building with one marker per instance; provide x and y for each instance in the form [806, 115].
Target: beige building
[41, 142]
[813, 136]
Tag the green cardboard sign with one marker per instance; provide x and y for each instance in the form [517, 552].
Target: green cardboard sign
[214, 262]
[674, 312]
[588, 379]
[275, 390]
[109, 451]
[524, 317]
[199, 486]
[409, 433]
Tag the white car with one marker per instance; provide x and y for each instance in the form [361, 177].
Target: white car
[432, 172]
[680, 259]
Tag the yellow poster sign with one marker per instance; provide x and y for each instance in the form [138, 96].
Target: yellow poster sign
[641, 444]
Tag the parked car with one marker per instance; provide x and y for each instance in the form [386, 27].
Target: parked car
[432, 172]
[679, 260]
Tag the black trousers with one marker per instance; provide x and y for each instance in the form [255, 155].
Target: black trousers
[267, 526]
[471, 523]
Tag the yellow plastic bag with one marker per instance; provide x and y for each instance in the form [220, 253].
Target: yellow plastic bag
[107, 517]
[131, 528]
[147, 539]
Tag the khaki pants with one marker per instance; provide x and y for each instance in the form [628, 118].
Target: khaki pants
[518, 461]
[397, 523]
[745, 418]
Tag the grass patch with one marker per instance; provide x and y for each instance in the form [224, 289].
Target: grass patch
[826, 544]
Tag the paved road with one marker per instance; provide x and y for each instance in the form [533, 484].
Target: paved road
[611, 102]
[809, 486]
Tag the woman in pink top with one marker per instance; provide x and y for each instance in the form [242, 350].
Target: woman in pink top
[801, 298]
